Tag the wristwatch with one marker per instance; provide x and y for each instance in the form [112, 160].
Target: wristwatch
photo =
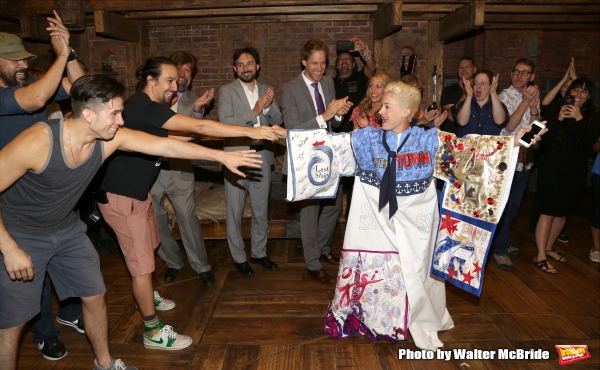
[72, 55]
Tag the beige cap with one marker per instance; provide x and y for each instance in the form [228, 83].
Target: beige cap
[12, 48]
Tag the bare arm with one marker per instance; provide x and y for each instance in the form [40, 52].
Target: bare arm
[137, 141]
[497, 108]
[28, 151]
[552, 93]
[36, 95]
[465, 111]
[367, 56]
[180, 122]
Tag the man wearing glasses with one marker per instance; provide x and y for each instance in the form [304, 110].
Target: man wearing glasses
[523, 103]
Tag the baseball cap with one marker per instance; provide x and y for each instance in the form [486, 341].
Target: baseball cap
[12, 48]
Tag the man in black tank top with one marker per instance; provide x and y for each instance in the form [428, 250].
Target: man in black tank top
[39, 233]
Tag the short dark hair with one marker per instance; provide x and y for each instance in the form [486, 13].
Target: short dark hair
[151, 68]
[183, 57]
[527, 62]
[247, 50]
[93, 91]
[313, 45]
[466, 57]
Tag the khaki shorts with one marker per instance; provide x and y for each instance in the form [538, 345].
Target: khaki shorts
[134, 223]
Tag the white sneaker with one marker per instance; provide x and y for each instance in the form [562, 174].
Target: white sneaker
[165, 338]
[162, 304]
[595, 256]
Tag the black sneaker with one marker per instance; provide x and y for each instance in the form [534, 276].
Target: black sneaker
[563, 238]
[77, 324]
[52, 348]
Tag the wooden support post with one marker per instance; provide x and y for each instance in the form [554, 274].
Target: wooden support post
[33, 28]
[116, 26]
[134, 51]
[387, 19]
[79, 42]
[463, 20]
[435, 55]
[382, 55]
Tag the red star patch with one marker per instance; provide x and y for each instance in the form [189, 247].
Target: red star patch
[477, 268]
[467, 277]
[448, 223]
[451, 272]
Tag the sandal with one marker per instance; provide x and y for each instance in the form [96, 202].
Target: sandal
[543, 265]
[559, 254]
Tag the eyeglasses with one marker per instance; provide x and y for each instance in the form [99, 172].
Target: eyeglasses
[516, 72]
[480, 83]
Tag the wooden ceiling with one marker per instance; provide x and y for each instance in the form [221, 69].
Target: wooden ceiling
[119, 18]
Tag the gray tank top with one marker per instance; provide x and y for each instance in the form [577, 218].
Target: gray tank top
[44, 201]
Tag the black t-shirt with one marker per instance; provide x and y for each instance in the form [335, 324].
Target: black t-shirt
[132, 174]
[355, 88]
[451, 95]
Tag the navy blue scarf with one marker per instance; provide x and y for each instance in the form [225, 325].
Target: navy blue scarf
[387, 189]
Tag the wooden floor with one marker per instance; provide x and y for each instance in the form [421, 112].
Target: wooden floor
[274, 320]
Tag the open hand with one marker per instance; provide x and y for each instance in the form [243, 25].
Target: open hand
[59, 35]
[468, 88]
[240, 158]
[204, 99]
[522, 132]
[263, 132]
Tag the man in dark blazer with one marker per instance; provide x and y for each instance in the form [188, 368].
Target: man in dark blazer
[303, 101]
[176, 179]
[249, 103]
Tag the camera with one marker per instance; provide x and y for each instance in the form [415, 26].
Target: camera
[345, 45]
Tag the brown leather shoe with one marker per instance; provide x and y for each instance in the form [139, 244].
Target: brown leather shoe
[320, 276]
[330, 258]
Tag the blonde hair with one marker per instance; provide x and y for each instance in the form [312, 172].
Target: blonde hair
[366, 104]
[407, 96]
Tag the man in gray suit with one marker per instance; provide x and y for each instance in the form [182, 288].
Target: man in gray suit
[176, 179]
[303, 101]
[247, 102]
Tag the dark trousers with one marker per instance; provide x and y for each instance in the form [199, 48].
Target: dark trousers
[501, 240]
[42, 325]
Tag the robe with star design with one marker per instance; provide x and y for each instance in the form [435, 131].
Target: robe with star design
[391, 270]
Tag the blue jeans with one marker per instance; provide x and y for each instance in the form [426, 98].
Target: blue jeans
[42, 325]
[501, 240]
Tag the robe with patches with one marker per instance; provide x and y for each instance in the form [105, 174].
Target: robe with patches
[391, 270]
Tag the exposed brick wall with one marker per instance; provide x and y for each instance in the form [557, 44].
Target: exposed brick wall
[497, 50]
[104, 52]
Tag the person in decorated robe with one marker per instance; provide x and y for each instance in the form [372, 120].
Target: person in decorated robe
[390, 276]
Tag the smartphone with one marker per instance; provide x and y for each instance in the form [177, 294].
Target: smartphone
[536, 128]
[569, 100]
[345, 45]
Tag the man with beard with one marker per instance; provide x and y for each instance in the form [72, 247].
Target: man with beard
[350, 82]
[23, 103]
[248, 103]
[303, 101]
[176, 179]
[452, 94]
[129, 176]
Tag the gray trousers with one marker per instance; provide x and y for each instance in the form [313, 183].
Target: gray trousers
[318, 219]
[258, 184]
[187, 220]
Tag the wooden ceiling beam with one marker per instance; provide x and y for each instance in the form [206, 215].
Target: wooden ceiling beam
[387, 20]
[254, 19]
[542, 18]
[539, 26]
[322, 9]
[33, 28]
[463, 20]
[542, 8]
[116, 26]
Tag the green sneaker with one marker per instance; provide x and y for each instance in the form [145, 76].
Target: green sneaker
[162, 304]
[163, 337]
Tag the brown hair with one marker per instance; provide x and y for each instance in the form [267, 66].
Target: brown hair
[527, 62]
[183, 57]
[313, 45]
[365, 104]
